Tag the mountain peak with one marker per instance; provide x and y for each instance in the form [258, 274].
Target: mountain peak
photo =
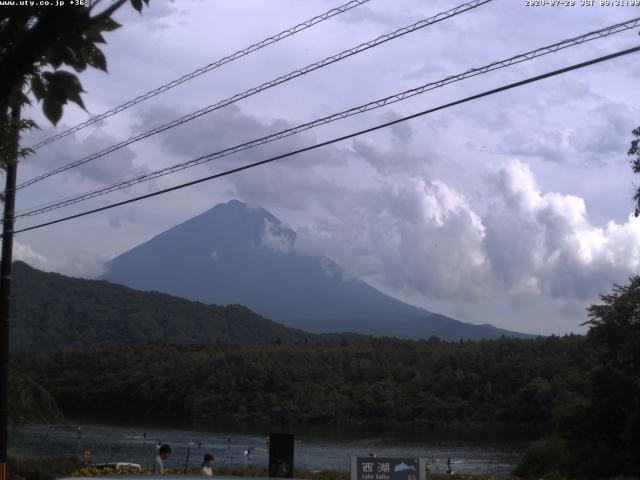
[238, 208]
[233, 206]
[235, 253]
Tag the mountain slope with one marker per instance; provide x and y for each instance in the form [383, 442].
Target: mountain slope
[51, 311]
[234, 253]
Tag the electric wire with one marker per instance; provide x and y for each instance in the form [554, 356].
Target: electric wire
[340, 139]
[207, 68]
[71, 200]
[252, 91]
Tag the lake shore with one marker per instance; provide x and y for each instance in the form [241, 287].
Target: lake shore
[67, 467]
[488, 455]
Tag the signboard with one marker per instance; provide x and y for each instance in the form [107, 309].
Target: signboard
[388, 468]
[281, 455]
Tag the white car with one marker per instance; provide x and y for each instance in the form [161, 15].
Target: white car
[120, 466]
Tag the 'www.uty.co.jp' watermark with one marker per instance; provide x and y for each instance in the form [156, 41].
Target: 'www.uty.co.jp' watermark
[45, 3]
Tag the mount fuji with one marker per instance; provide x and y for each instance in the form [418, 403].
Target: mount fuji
[238, 254]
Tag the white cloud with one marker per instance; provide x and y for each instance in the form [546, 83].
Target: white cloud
[277, 238]
[546, 239]
[26, 254]
[82, 264]
[423, 239]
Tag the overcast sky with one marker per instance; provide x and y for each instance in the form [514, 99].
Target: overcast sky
[511, 210]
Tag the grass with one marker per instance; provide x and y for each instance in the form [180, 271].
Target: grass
[57, 467]
[19, 468]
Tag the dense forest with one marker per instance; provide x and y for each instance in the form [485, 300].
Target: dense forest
[509, 381]
[29, 402]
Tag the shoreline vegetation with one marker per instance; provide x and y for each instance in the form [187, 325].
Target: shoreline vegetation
[67, 467]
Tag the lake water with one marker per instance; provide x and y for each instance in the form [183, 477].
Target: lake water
[475, 453]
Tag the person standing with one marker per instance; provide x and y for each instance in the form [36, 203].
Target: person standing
[207, 465]
[158, 464]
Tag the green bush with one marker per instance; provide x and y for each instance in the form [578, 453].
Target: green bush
[29, 402]
[40, 469]
[545, 458]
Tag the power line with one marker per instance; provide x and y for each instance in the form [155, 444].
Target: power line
[252, 91]
[207, 68]
[71, 200]
[342, 138]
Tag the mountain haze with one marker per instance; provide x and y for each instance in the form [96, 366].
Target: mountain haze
[238, 254]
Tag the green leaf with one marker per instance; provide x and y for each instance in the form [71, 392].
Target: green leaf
[66, 86]
[73, 57]
[52, 109]
[137, 4]
[77, 99]
[25, 152]
[24, 99]
[97, 59]
[55, 61]
[94, 35]
[27, 124]
[61, 86]
[75, 52]
[108, 24]
[38, 87]
[61, 79]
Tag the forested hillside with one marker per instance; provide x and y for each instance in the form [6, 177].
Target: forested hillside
[29, 402]
[53, 311]
[509, 381]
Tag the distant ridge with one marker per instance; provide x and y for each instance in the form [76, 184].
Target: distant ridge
[51, 311]
[237, 254]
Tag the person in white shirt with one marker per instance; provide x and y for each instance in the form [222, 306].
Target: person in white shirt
[207, 465]
[163, 453]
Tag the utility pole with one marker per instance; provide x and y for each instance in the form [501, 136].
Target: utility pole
[5, 278]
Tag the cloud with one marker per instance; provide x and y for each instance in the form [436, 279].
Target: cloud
[225, 128]
[277, 238]
[292, 182]
[546, 242]
[592, 131]
[26, 254]
[82, 264]
[118, 218]
[409, 234]
[104, 170]
[423, 239]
